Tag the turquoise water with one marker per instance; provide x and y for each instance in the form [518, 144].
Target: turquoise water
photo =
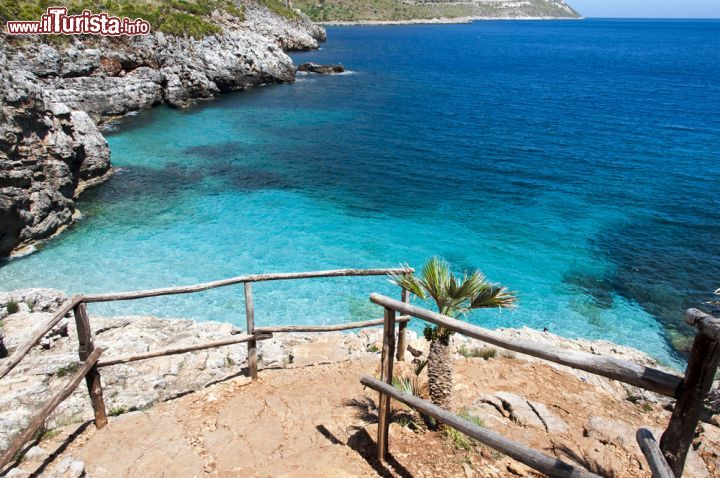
[576, 162]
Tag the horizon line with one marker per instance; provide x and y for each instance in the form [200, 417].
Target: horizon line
[649, 18]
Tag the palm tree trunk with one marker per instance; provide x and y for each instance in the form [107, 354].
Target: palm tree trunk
[440, 380]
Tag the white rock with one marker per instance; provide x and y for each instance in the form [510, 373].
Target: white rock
[520, 410]
[36, 453]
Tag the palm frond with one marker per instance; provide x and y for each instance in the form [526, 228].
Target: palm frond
[408, 282]
[493, 295]
[434, 279]
[454, 295]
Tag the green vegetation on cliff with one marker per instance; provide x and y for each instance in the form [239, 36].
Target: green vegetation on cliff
[406, 10]
[279, 7]
[177, 17]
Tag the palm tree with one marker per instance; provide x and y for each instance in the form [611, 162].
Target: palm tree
[453, 296]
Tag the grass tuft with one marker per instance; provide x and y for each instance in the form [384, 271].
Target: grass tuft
[459, 439]
[481, 352]
[117, 411]
[66, 370]
[12, 306]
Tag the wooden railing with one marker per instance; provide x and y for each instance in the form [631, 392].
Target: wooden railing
[537, 460]
[89, 354]
[689, 390]
[39, 419]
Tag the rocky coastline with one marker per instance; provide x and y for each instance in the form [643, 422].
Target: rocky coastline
[55, 97]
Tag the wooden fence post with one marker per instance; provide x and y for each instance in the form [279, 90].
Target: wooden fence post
[402, 330]
[92, 379]
[386, 375]
[252, 344]
[699, 375]
[650, 448]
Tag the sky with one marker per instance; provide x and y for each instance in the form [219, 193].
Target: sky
[648, 8]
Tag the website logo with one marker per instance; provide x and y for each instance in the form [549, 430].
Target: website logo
[56, 21]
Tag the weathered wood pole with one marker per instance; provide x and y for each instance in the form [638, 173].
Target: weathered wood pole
[386, 375]
[235, 339]
[650, 448]
[92, 378]
[402, 341]
[17, 444]
[702, 364]
[549, 465]
[252, 344]
[610, 367]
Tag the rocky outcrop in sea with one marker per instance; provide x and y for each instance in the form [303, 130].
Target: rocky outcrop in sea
[54, 95]
[321, 69]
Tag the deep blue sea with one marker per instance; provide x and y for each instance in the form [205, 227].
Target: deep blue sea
[576, 162]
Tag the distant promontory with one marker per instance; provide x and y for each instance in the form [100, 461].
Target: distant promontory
[432, 11]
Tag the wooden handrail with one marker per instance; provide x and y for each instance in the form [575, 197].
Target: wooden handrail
[45, 412]
[634, 374]
[184, 349]
[535, 459]
[11, 362]
[16, 357]
[89, 354]
[272, 329]
[650, 448]
[189, 289]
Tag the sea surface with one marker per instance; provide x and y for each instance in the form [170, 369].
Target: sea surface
[577, 162]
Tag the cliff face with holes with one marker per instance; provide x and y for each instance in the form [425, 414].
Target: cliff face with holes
[53, 96]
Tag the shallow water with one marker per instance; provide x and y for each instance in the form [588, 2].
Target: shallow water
[576, 162]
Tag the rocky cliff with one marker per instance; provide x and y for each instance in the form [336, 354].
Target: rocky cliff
[54, 94]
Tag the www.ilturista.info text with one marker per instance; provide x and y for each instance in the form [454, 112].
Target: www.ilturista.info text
[56, 21]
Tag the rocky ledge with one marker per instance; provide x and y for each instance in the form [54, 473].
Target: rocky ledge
[139, 385]
[53, 96]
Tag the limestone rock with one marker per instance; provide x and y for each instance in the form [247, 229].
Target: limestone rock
[32, 300]
[553, 424]
[492, 400]
[607, 430]
[321, 69]
[43, 154]
[520, 410]
[68, 468]
[35, 453]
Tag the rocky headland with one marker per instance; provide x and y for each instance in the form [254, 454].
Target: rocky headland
[56, 94]
[394, 12]
[515, 404]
